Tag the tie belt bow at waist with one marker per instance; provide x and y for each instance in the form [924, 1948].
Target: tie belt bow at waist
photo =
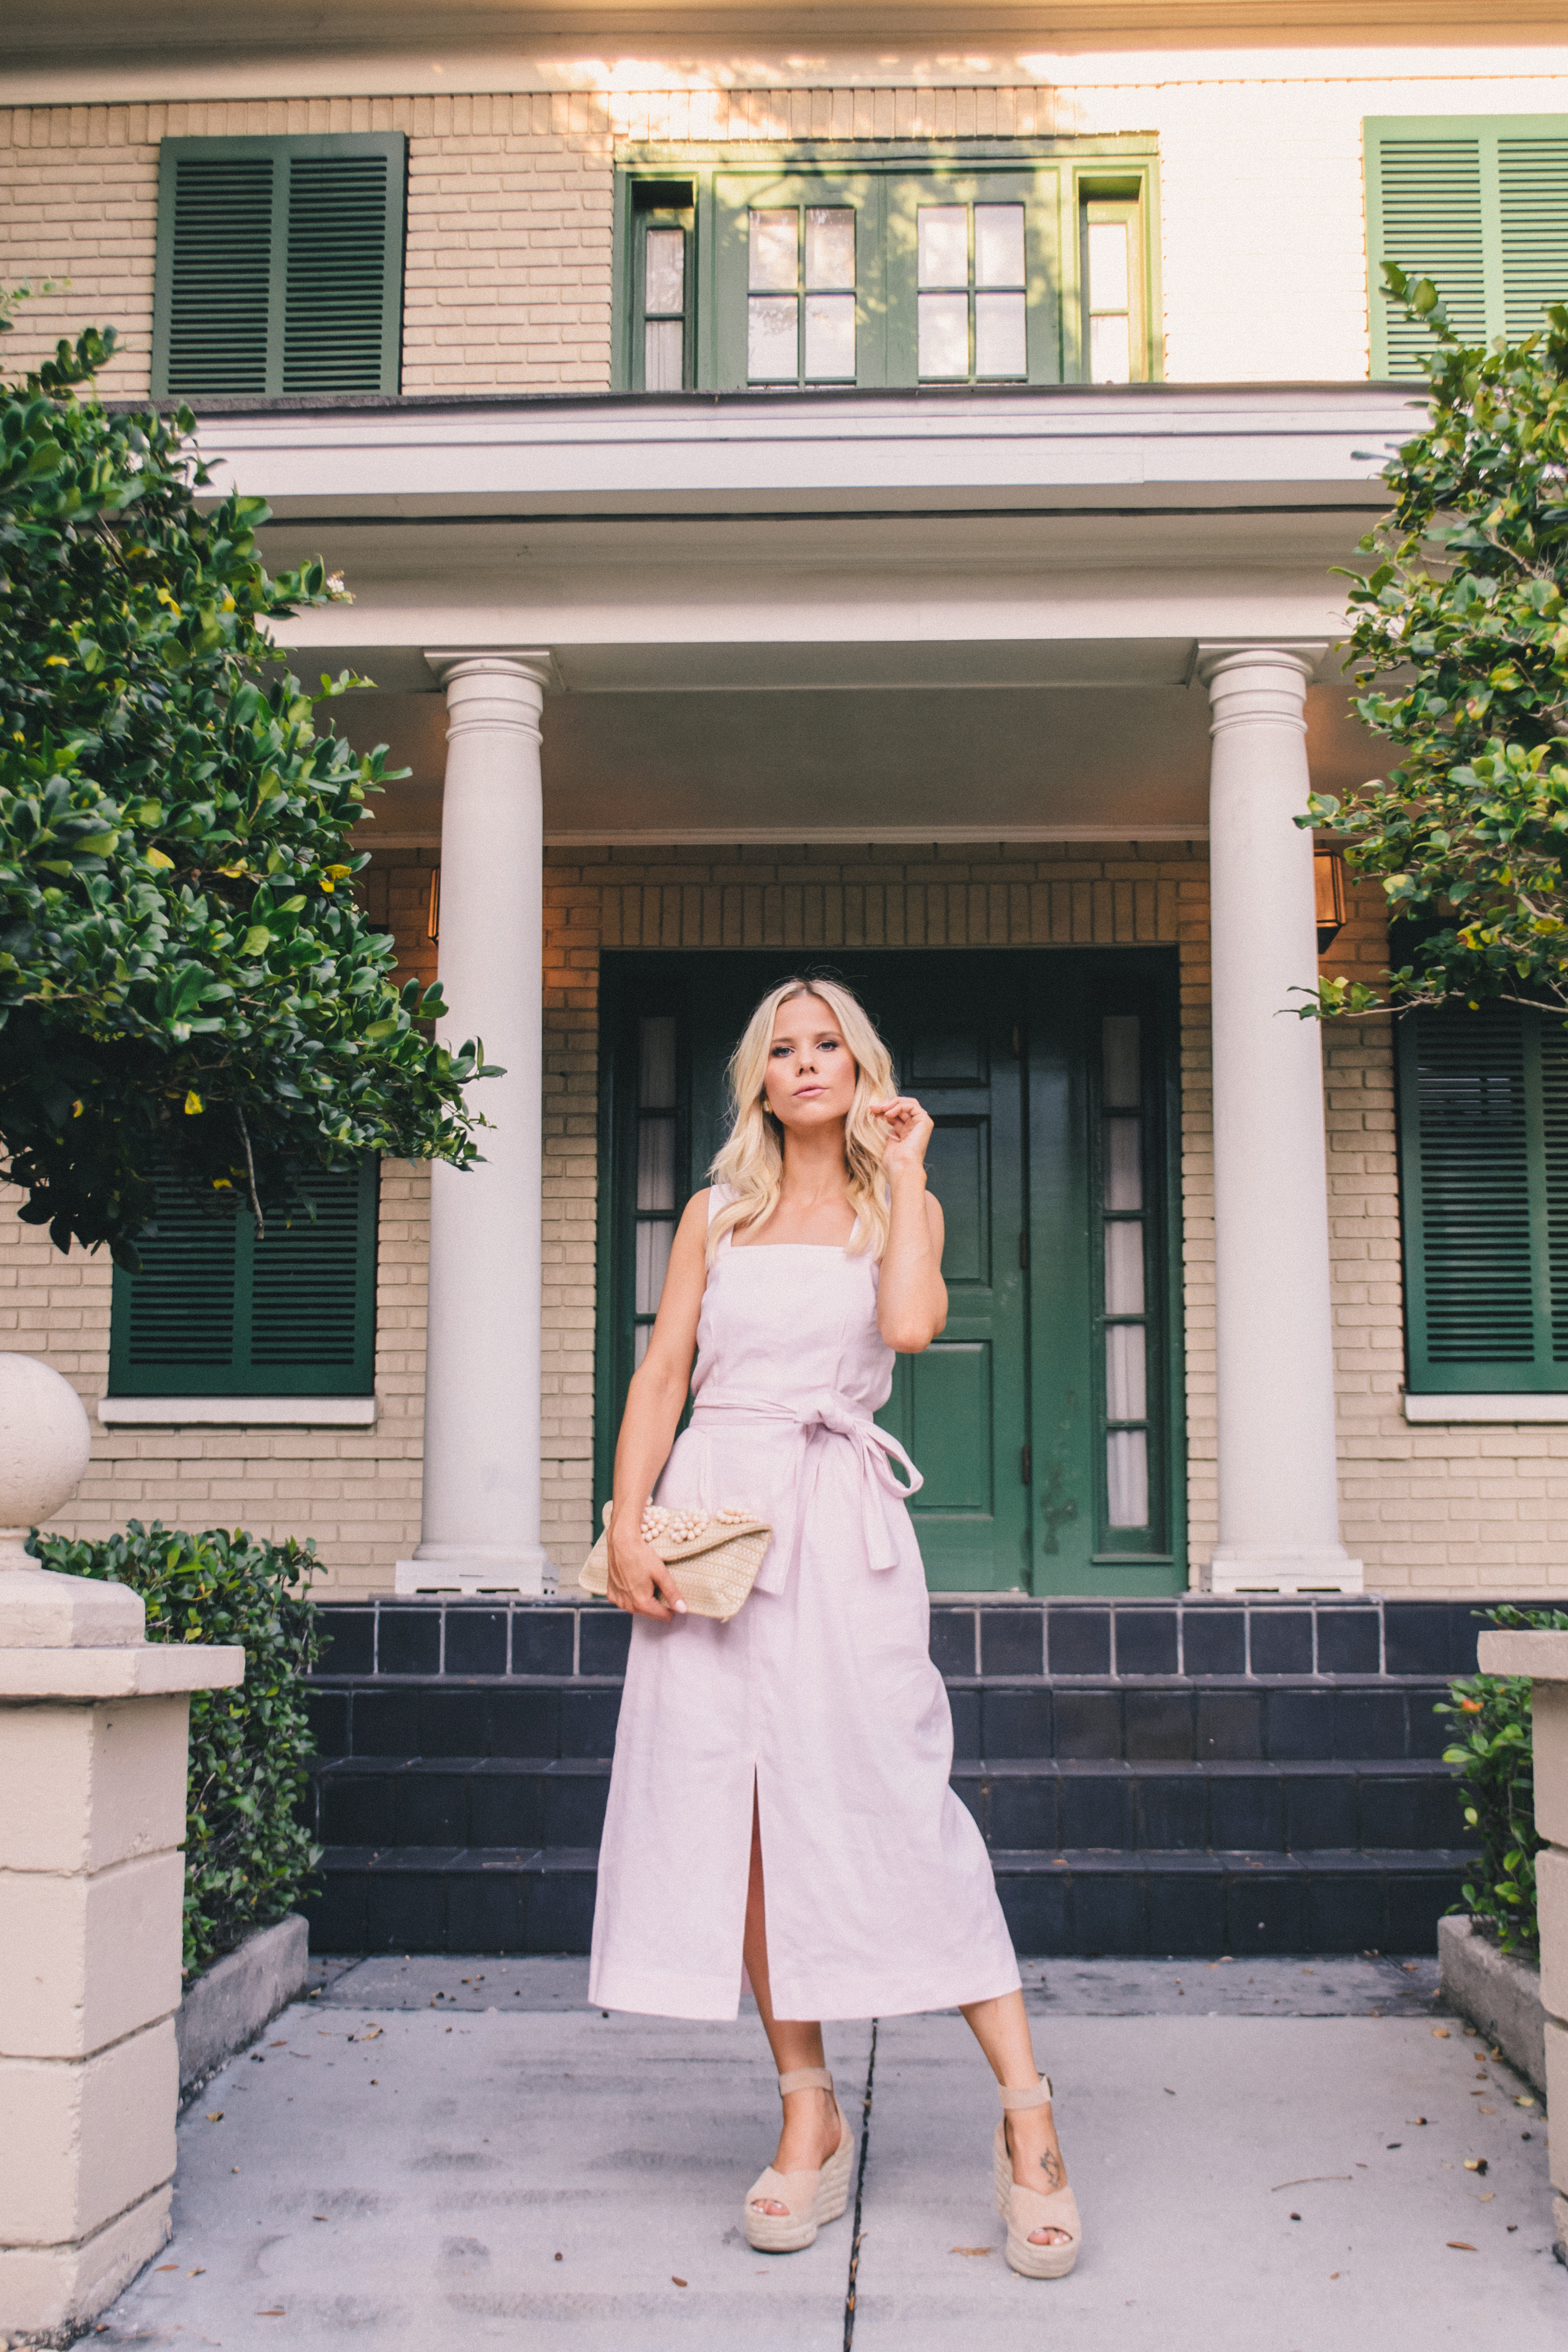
[817, 1418]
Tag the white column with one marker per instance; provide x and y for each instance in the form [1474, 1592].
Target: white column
[1278, 1483]
[481, 1495]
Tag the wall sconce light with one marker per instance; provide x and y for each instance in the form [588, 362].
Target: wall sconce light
[1329, 877]
[433, 920]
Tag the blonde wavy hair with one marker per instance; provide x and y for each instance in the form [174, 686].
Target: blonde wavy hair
[752, 1160]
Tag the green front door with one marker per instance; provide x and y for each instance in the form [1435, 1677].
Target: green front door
[1044, 1418]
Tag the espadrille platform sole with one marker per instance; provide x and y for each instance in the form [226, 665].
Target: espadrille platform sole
[1024, 2209]
[811, 2200]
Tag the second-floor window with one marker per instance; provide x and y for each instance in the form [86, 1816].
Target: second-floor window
[831, 269]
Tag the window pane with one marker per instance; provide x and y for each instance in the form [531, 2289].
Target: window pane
[664, 355]
[1118, 1061]
[942, 231]
[1110, 352]
[999, 245]
[664, 273]
[944, 334]
[830, 337]
[830, 248]
[1123, 1165]
[1107, 286]
[653, 1260]
[655, 1164]
[999, 346]
[655, 1065]
[1127, 1478]
[1126, 1387]
[774, 239]
[1124, 1269]
[640, 1338]
[772, 353]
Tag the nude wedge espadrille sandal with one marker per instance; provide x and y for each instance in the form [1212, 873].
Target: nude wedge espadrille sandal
[811, 2198]
[1023, 2209]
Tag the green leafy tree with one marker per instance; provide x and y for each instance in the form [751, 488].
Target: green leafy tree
[186, 979]
[1495, 1761]
[1459, 643]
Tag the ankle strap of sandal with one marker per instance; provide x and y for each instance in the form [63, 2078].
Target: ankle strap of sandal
[806, 2078]
[1041, 2096]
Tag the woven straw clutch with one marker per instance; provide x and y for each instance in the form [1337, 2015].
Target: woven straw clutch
[718, 1559]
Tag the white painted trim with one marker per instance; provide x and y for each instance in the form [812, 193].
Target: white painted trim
[238, 1412]
[1501, 1407]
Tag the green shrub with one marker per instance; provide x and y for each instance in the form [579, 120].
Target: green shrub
[1497, 1766]
[248, 1855]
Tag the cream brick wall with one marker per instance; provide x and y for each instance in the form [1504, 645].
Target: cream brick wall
[1430, 1510]
[509, 263]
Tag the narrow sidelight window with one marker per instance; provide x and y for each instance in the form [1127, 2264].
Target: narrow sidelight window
[663, 216]
[656, 1205]
[1124, 1218]
[1114, 327]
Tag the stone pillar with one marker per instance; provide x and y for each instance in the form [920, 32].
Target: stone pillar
[1544, 1657]
[92, 1767]
[481, 1524]
[1279, 1485]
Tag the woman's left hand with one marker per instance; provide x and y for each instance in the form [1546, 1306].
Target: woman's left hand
[909, 1130]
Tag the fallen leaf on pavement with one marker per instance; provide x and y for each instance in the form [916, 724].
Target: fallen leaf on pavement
[1460, 2246]
[1414, 2119]
[1307, 2180]
[1487, 2199]
[368, 2035]
[1475, 2164]
[199, 2272]
[168, 2266]
[675, 2281]
[1527, 2101]
[1488, 2110]
[1440, 2033]
[216, 2115]
[971, 2249]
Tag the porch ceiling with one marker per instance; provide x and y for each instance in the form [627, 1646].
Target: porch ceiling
[994, 763]
[833, 616]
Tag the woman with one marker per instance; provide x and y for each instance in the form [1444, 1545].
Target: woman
[811, 1729]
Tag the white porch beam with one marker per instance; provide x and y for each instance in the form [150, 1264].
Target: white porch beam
[480, 1529]
[1278, 1479]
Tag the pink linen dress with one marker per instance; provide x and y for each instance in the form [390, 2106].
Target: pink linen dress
[820, 1693]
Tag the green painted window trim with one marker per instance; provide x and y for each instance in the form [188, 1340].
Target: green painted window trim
[223, 1274]
[1484, 215]
[1056, 178]
[282, 154]
[1484, 1200]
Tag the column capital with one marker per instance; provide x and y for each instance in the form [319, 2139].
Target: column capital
[532, 665]
[1252, 681]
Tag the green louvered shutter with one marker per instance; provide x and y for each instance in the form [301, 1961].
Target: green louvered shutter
[1478, 205]
[1483, 1122]
[214, 1312]
[280, 265]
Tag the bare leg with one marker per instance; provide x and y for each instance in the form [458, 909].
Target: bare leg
[810, 2132]
[1002, 2028]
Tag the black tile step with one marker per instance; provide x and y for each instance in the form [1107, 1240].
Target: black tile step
[1040, 1803]
[1173, 1720]
[523, 1900]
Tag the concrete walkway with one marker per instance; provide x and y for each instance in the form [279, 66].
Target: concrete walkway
[440, 2152]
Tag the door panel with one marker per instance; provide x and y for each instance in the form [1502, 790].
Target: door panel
[1045, 1417]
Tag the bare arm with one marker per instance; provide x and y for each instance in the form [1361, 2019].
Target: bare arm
[911, 1297]
[640, 1582]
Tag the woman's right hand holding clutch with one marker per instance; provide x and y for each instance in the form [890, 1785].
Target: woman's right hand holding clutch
[639, 1581]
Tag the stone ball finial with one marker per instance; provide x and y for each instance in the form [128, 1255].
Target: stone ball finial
[46, 1441]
